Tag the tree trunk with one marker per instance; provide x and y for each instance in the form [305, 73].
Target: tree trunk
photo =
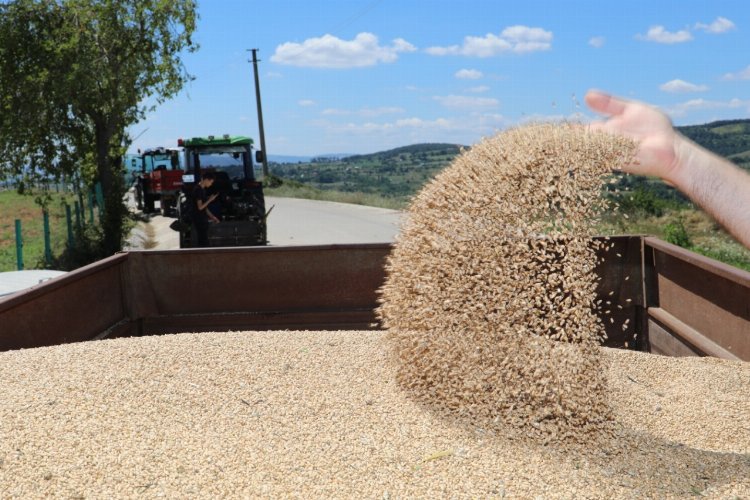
[112, 189]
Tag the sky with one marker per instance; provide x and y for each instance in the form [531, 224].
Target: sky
[361, 76]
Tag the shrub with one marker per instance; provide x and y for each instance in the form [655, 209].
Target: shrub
[676, 233]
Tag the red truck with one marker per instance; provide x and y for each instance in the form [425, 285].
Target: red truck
[160, 179]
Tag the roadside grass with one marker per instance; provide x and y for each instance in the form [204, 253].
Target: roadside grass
[293, 189]
[16, 206]
[704, 235]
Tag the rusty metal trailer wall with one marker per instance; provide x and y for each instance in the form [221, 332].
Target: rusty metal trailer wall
[695, 305]
[671, 301]
[145, 293]
[77, 306]
[319, 288]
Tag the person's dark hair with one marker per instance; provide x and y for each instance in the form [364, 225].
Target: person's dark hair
[209, 176]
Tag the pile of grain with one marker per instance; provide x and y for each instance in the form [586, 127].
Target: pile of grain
[319, 415]
[490, 293]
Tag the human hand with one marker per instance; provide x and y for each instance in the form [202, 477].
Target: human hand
[212, 197]
[658, 143]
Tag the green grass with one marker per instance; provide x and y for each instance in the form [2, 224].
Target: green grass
[15, 206]
[705, 235]
[293, 189]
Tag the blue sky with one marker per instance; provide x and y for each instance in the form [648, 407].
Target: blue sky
[359, 76]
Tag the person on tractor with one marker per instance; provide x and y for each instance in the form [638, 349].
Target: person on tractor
[201, 214]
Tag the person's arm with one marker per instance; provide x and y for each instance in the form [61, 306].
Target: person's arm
[211, 215]
[721, 188]
[203, 204]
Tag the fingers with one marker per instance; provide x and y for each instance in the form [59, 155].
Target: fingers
[605, 103]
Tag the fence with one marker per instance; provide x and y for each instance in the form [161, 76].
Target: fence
[75, 222]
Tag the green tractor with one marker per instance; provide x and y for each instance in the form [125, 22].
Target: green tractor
[240, 205]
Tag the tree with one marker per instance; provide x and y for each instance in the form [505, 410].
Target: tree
[74, 75]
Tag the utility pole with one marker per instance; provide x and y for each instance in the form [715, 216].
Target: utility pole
[260, 114]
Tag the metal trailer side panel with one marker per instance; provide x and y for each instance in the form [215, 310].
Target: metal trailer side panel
[76, 306]
[702, 303]
[314, 287]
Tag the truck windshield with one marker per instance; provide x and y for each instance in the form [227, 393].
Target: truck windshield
[154, 162]
[231, 160]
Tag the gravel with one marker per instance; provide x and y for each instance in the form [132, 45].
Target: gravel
[319, 414]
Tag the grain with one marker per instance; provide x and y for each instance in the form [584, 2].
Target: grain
[490, 295]
[320, 415]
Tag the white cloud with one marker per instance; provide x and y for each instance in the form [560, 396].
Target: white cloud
[466, 102]
[475, 123]
[720, 25]
[306, 103]
[740, 75]
[597, 41]
[479, 89]
[468, 74]
[659, 34]
[329, 51]
[681, 86]
[385, 110]
[516, 39]
[365, 112]
[686, 107]
[335, 112]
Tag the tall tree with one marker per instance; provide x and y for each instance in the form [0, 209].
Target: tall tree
[75, 74]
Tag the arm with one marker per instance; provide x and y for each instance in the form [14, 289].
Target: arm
[721, 188]
[211, 215]
[203, 204]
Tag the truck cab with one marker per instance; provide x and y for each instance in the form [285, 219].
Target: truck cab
[240, 204]
[160, 179]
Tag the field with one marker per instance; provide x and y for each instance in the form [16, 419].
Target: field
[15, 206]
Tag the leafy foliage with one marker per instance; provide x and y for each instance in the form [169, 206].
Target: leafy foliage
[74, 74]
[676, 233]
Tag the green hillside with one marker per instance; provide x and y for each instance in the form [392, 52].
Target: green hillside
[726, 138]
[390, 178]
[396, 173]
[399, 173]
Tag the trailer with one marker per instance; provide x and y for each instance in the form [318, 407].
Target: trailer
[678, 303]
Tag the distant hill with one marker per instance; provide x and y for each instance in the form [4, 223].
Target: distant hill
[288, 159]
[401, 172]
[728, 138]
[397, 173]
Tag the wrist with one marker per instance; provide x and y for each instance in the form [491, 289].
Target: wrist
[689, 158]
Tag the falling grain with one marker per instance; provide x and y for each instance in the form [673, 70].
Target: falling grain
[489, 299]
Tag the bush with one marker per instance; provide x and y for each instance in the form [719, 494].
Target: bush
[272, 181]
[676, 233]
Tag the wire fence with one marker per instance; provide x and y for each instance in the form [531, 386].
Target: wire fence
[84, 211]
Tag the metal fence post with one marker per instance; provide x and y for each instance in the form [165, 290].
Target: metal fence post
[99, 198]
[78, 215]
[91, 208]
[47, 244]
[19, 246]
[69, 221]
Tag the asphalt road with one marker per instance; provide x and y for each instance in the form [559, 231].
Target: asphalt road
[295, 222]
